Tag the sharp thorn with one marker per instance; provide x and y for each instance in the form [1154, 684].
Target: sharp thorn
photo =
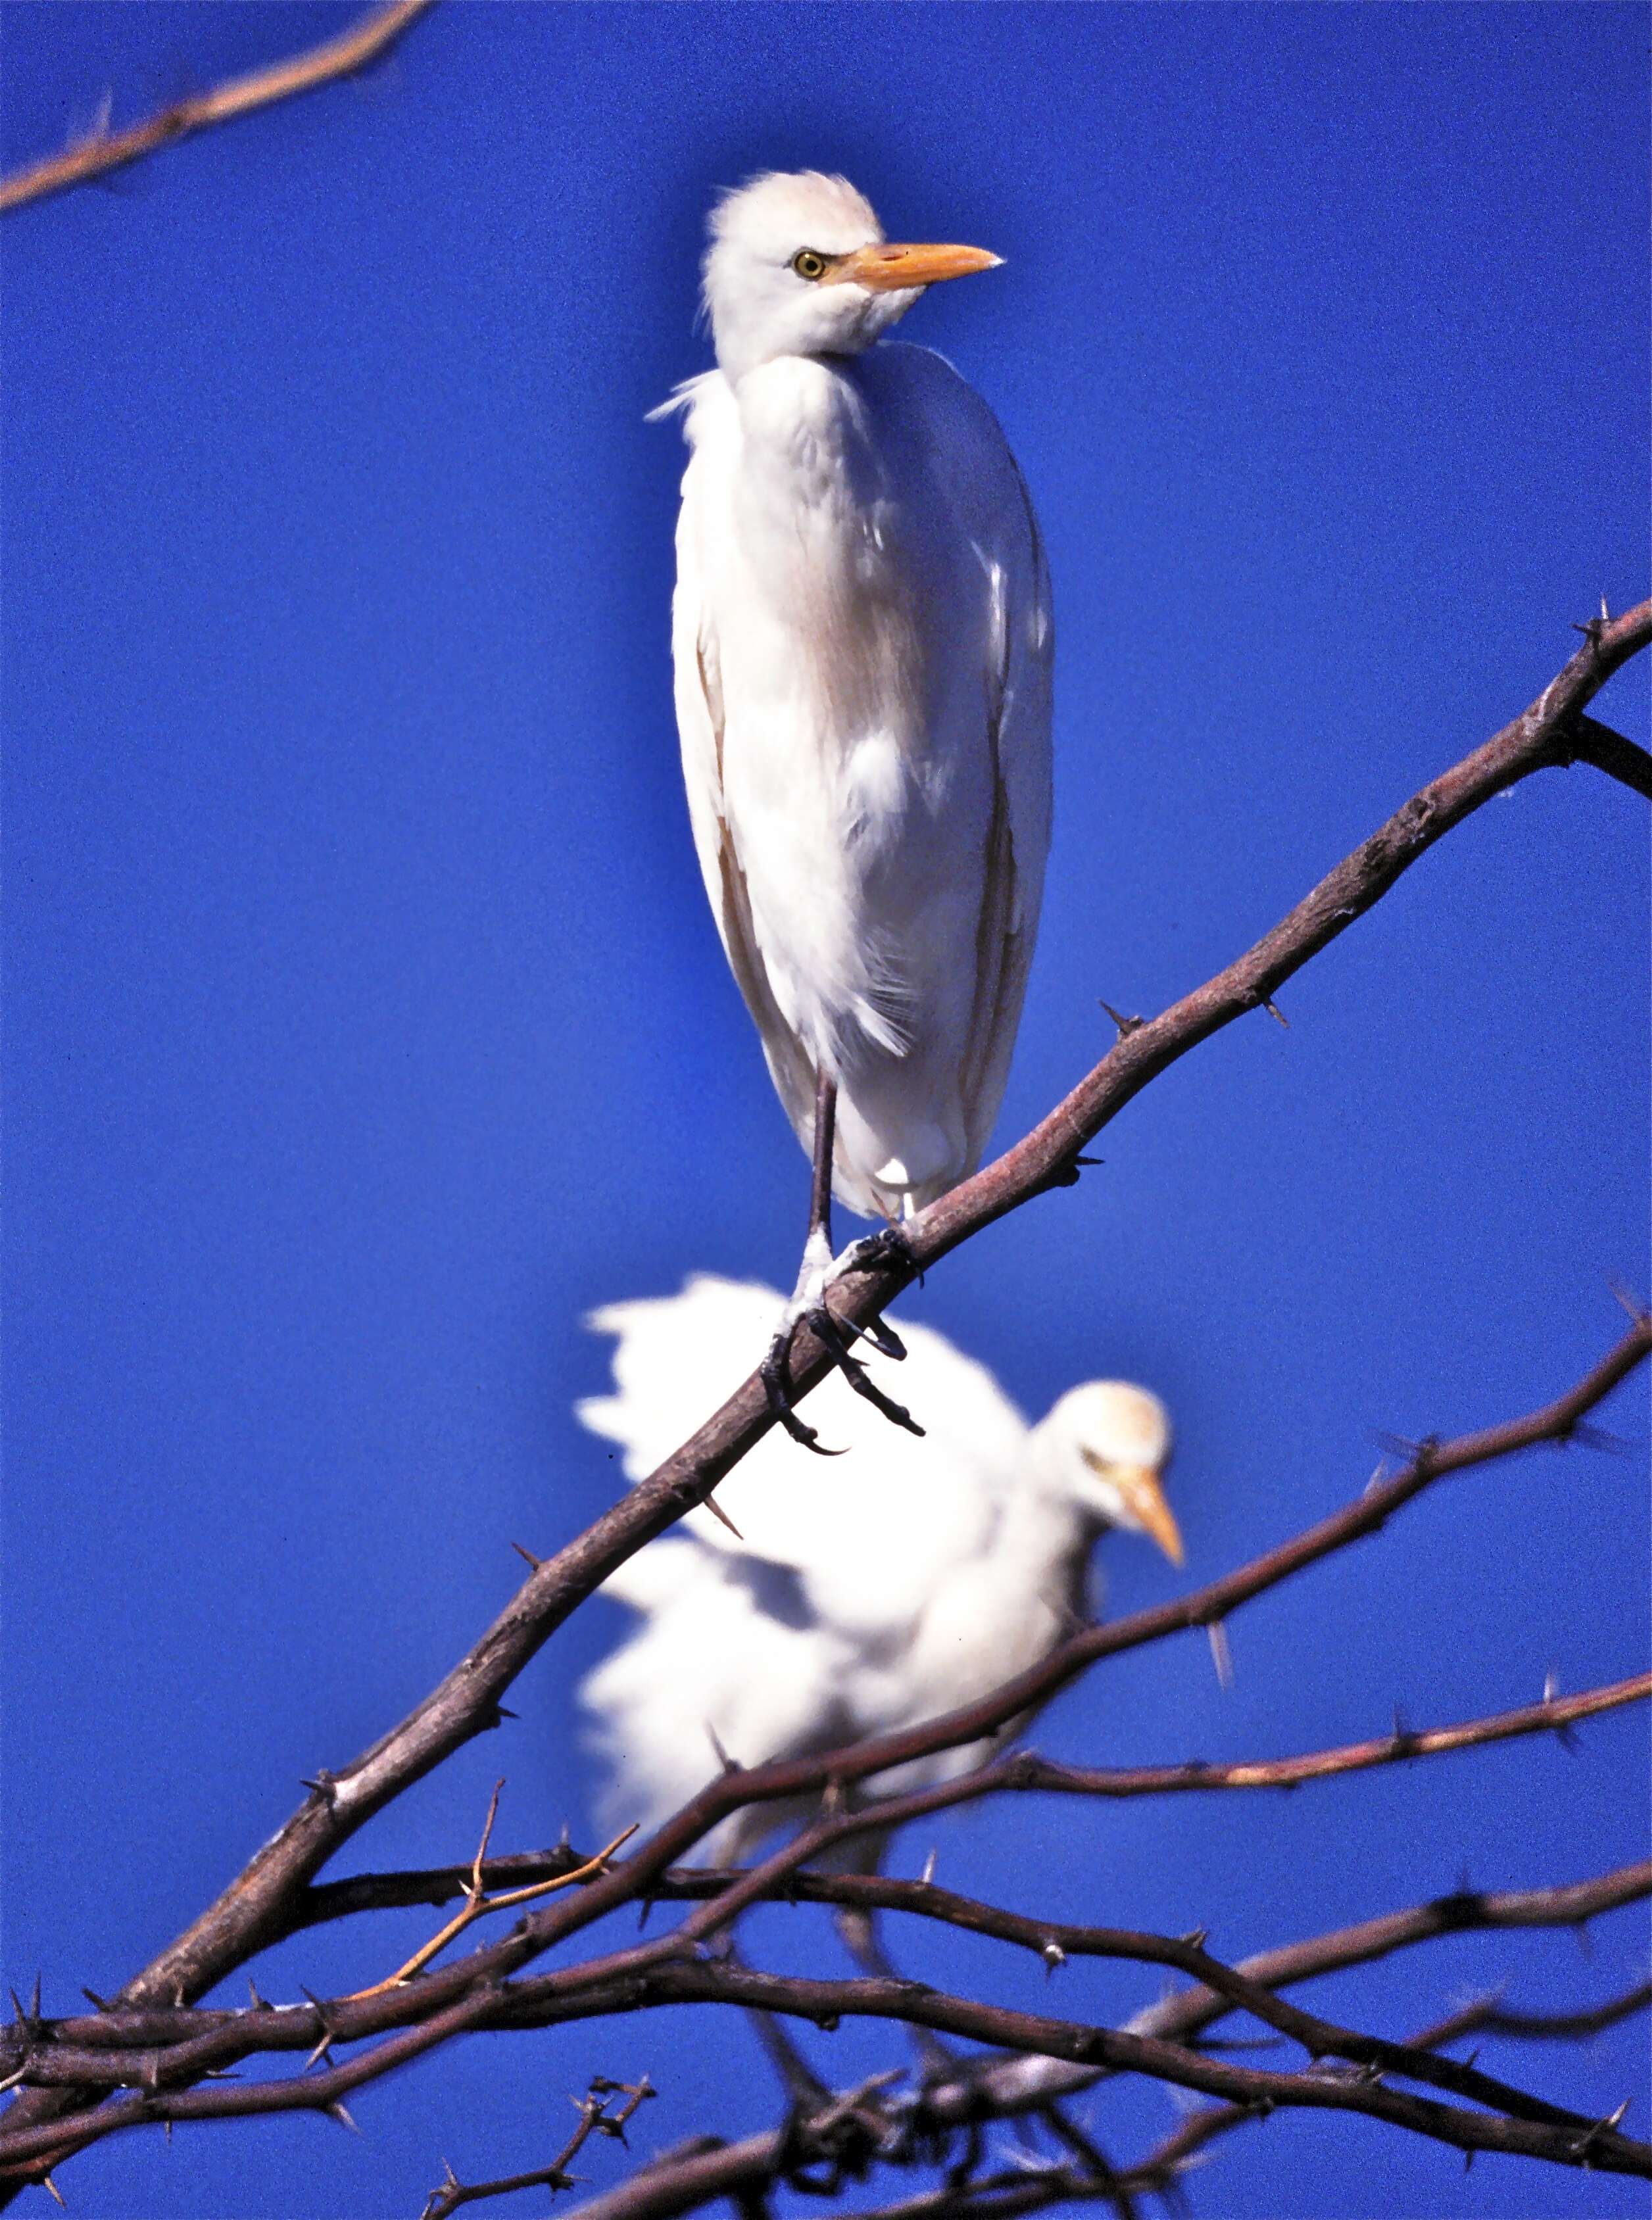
[928, 1874]
[336, 2112]
[1126, 1025]
[98, 2004]
[54, 2191]
[1274, 1010]
[528, 1555]
[718, 1512]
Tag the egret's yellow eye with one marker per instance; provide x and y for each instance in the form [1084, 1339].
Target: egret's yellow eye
[808, 263]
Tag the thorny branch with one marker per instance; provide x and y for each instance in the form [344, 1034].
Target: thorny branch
[1020, 1769]
[273, 1896]
[595, 2119]
[1014, 2088]
[104, 150]
[476, 1991]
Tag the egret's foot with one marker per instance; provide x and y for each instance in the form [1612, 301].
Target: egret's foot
[775, 1371]
[835, 1334]
[877, 1253]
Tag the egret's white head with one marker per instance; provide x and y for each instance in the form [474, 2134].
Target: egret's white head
[798, 265]
[1107, 1444]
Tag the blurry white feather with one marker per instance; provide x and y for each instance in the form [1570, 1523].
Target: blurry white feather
[867, 1594]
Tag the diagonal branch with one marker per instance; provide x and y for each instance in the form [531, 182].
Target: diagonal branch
[250, 1912]
[326, 1901]
[95, 157]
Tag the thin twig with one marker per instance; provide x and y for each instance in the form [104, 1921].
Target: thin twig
[105, 150]
[595, 2118]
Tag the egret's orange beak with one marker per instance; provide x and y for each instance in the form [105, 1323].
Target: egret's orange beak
[1144, 1501]
[888, 269]
[1143, 1498]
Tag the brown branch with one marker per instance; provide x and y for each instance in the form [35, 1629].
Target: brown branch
[1551, 2136]
[1597, 744]
[1525, 2128]
[1490, 2016]
[1035, 2189]
[595, 2118]
[249, 1913]
[106, 150]
[1005, 2088]
[1020, 1770]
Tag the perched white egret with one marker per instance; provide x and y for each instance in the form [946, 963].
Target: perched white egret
[862, 639]
[915, 1577]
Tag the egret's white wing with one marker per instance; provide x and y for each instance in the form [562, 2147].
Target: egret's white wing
[1020, 840]
[872, 1531]
[712, 1659]
[993, 513]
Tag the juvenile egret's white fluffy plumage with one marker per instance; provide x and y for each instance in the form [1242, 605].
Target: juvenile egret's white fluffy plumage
[891, 1586]
[861, 639]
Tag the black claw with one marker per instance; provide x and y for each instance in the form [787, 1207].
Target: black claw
[830, 1332]
[772, 1373]
[883, 1339]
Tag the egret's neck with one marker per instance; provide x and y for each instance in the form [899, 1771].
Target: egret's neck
[1044, 1525]
[802, 412]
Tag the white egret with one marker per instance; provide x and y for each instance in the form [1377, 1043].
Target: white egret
[862, 639]
[919, 1575]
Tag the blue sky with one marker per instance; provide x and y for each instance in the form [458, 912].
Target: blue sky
[365, 1024]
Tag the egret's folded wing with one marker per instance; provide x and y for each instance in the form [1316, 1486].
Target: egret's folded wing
[870, 1532]
[1018, 837]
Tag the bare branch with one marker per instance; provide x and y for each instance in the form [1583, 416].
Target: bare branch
[1490, 2015]
[1020, 1770]
[106, 150]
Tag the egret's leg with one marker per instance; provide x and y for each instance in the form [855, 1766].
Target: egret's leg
[804, 2088]
[812, 1274]
[808, 1299]
[858, 1932]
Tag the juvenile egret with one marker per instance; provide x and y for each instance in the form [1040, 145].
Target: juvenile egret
[919, 1576]
[861, 638]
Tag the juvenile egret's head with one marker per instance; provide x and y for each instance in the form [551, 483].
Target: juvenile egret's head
[1111, 1444]
[798, 265]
